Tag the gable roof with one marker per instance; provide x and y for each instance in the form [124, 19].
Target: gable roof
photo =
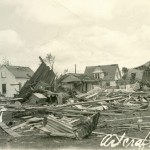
[70, 78]
[20, 72]
[73, 77]
[82, 76]
[109, 71]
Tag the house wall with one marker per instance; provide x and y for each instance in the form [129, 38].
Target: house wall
[10, 81]
[89, 86]
[84, 87]
[22, 81]
[68, 85]
[139, 74]
[113, 83]
[117, 75]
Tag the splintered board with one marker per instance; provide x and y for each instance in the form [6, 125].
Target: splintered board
[8, 130]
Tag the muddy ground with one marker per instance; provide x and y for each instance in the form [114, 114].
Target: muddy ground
[38, 140]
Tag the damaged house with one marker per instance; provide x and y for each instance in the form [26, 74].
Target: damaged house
[134, 75]
[81, 82]
[12, 78]
[107, 74]
[146, 73]
[139, 75]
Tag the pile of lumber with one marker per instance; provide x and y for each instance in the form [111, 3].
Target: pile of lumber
[74, 127]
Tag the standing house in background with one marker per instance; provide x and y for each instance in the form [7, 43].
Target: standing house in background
[109, 74]
[12, 78]
[81, 82]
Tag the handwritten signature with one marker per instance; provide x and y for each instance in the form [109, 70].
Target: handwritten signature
[113, 140]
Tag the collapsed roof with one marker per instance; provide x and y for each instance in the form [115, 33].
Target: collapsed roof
[42, 75]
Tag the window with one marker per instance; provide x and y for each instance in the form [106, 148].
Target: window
[3, 75]
[107, 83]
[98, 75]
[3, 88]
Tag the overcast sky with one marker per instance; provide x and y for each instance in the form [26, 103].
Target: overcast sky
[82, 32]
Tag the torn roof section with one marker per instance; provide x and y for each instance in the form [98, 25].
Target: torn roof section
[43, 74]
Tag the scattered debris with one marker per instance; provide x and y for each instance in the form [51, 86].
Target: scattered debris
[73, 114]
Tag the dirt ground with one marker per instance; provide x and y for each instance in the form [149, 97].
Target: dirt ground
[38, 140]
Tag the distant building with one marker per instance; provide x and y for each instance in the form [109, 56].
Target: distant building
[12, 78]
[108, 74]
[140, 74]
[81, 82]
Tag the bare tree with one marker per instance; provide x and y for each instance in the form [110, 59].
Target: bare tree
[5, 61]
[50, 60]
[65, 71]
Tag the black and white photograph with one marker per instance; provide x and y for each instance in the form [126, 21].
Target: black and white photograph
[75, 74]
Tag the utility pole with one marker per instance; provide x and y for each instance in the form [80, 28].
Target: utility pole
[75, 69]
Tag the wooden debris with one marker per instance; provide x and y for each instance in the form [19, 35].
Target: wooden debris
[89, 102]
[19, 126]
[8, 130]
[69, 127]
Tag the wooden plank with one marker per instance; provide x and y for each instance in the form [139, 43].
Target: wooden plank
[57, 133]
[14, 99]
[8, 130]
[90, 102]
[61, 124]
[19, 126]
[59, 121]
[51, 129]
[59, 127]
[77, 112]
[127, 118]
[111, 114]
[92, 95]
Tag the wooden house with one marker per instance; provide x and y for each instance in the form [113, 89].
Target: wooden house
[12, 78]
[108, 74]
